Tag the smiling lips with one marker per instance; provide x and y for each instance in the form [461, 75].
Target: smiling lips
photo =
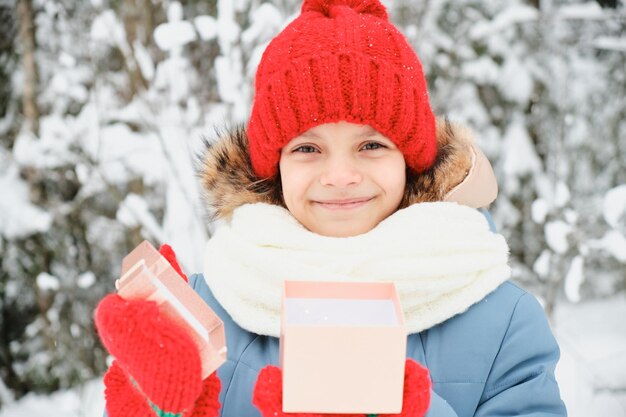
[347, 204]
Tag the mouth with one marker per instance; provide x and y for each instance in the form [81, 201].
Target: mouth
[347, 204]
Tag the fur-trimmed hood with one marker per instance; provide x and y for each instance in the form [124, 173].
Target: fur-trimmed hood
[461, 173]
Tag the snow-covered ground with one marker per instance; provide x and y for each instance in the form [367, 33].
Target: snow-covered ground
[591, 373]
[88, 401]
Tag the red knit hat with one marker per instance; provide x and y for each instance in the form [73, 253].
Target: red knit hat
[340, 60]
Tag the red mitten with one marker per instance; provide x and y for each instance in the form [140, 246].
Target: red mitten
[268, 394]
[208, 405]
[123, 398]
[168, 253]
[157, 367]
[416, 390]
[161, 358]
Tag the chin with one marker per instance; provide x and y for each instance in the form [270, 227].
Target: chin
[344, 230]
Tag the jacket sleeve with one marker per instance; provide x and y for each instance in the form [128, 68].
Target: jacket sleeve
[521, 381]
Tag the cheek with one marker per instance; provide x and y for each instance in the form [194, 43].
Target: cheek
[292, 184]
[289, 192]
[399, 186]
[394, 178]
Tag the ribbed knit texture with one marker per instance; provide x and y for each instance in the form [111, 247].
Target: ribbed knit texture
[340, 60]
[160, 356]
[268, 394]
[208, 405]
[122, 399]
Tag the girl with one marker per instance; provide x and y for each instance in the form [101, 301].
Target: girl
[344, 174]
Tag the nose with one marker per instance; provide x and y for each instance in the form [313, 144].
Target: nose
[340, 172]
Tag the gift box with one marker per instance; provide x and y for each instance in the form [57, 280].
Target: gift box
[342, 348]
[147, 275]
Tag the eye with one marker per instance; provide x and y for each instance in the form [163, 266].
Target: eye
[305, 149]
[369, 146]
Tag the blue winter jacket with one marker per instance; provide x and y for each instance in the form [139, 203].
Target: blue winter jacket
[497, 359]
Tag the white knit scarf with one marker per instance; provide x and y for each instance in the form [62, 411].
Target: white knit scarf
[442, 257]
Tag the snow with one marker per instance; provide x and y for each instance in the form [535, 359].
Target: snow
[515, 82]
[168, 77]
[19, 218]
[50, 150]
[106, 28]
[86, 279]
[571, 216]
[574, 279]
[512, 15]
[229, 79]
[182, 228]
[6, 396]
[176, 32]
[119, 155]
[539, 210]
[232, 88]
[175, 12]
[482, 70]
[62, 85]
[583, 11]
[47, 282]
[476, 114]
[183, 222]
[85, 401]
[610, 43]
[614, 243]
[206, 27]
[542, 264]
[144, 60]
[614, 207]
[519, 156]
[113, 148]
[266, 23]
[227, 28]
[67, 60]
[174, 35]
[556, 234]
[592, 338]
[134, 212]
[562, 195]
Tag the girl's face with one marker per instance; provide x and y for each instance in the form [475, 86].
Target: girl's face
[342, 179]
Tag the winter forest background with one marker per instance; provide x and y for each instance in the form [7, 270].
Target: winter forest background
[104, 105]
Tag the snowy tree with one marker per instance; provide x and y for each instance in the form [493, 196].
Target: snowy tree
[8, 63]
[125, 99]
[543, 88]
